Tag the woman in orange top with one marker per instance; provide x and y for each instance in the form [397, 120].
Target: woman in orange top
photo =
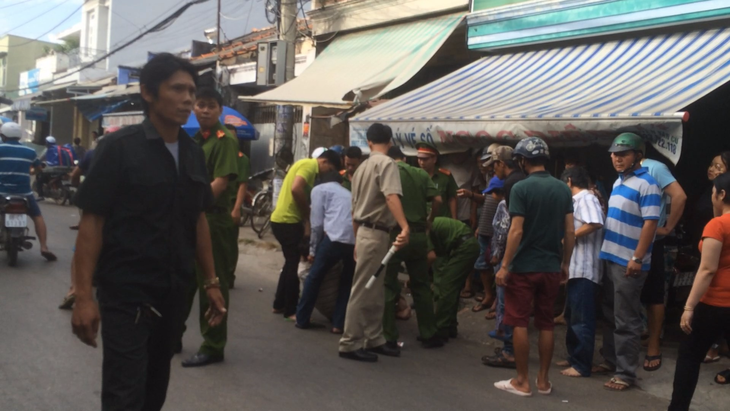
[707, 311]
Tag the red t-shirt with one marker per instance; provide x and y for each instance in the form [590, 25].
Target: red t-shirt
[718, 294]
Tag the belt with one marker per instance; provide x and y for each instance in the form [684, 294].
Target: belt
[216, 210]
[412, 229]
[374, 226]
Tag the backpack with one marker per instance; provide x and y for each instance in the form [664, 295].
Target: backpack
[59, 156]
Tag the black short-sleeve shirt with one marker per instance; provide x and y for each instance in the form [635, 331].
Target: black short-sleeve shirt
[150, 211]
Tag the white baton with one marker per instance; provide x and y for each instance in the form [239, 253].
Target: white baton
[387, 258]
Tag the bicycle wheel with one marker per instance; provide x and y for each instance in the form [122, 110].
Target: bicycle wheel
[261, 211]
[265, 228]
[245, 215]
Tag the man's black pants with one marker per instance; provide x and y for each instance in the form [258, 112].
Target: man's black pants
[287, 291]
[138, 341]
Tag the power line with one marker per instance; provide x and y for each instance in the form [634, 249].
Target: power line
[15, 4]
[158, 27]
[35, 17]
[50, 30]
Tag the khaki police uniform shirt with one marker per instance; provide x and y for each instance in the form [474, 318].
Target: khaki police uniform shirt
[375, 179]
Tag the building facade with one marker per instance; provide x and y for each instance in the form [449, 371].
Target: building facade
[17, 55]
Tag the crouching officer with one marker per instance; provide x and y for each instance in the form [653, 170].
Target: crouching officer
[452, 241]
[221, 154]
[418, 191]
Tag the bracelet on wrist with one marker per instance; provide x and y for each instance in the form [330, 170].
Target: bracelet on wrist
[688, 308]
[212, 283]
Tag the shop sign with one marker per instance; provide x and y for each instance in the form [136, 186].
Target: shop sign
[36, 114]
[454, 137]
[29, 81]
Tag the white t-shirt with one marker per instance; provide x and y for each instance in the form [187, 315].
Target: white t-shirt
[585, 262]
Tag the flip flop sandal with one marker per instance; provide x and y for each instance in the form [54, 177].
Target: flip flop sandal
[498, 361]
[49, 255]
[469, 294]
[653, 358]
[724, 374]
[507, 386]
[544, 392]
[709, 360]
[624, 385]
[68, 302]
[490, 315]
[478, 307]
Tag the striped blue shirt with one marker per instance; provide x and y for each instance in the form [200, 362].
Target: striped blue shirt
[15, 163]
[634, 200]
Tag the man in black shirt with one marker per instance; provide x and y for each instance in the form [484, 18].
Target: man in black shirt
[143, 223]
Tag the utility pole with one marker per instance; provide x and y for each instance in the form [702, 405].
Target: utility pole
[283, 146]
[218, 25]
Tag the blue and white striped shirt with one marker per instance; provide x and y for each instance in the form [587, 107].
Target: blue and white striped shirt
[634, 200]
[15, 163]
[585, 262]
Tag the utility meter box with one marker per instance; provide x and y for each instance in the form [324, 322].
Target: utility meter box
[271, 65]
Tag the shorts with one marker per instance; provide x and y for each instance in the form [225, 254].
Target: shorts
[656, 281]
[33, 209]
[485, 253]
[524, 289]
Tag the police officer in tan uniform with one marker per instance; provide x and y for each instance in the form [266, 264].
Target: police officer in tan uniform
[376, 208]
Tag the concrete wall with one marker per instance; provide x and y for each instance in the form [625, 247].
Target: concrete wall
[22, 54]
[62, 122]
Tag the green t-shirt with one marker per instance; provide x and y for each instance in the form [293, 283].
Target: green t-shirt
[287, 211]
[244, 172]
[446, 186]
[221, 153]
[418, 191]
[446, 235]
[543, 201]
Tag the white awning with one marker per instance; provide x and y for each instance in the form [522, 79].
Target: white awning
[569, 95]
[360, 66]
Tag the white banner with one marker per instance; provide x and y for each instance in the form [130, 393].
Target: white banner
[457, 136]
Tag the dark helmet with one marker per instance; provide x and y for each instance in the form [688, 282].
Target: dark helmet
[338, 149]
[627, 142]
[531, 147]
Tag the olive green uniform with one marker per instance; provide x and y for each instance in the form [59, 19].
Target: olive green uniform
[447, 187]
[453, 241]
[244, 172]
[221, 150]
[418, 191]
[346, 180]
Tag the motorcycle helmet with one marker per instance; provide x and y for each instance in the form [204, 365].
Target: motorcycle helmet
[531, 147]
[627, 142]
[11, 130]
[50, 140]
[338, 149]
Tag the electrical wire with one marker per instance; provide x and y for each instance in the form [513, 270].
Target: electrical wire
[49, 31]
[15, 4]
[35, 17]
[158, 27]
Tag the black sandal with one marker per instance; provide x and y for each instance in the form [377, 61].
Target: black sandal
[724, 374]
[498, 361]
[651, 358]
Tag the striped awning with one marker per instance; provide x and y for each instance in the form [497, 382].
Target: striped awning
[360, 66]
[571, 95]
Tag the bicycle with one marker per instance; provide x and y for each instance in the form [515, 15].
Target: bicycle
[262, 204]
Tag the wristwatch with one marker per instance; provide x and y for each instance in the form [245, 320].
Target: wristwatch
[212, 283]
[637, 260]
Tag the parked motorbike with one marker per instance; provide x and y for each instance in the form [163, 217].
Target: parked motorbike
[14, 228]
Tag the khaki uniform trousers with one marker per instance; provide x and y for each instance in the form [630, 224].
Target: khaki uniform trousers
[364, 319]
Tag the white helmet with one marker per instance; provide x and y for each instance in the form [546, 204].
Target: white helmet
[50, 140]
[11, 130]
[318, 152]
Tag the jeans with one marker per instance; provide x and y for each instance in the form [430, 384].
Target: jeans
[708, 324]
[509, 347]
[580, 315]
[623, 325]
[329, 253]
[138, 345]
[287, 291]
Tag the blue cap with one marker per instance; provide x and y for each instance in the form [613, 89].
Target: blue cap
[494, 184]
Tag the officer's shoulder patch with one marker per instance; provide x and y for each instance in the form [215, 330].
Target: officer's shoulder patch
[445, 171]
[220, 134]
[342, 172]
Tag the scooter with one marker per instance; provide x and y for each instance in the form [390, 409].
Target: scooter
[14, 228]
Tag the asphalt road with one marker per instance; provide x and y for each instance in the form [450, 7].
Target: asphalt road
[270, 365]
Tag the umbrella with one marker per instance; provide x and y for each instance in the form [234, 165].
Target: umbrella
[5, 120]
[244, 129]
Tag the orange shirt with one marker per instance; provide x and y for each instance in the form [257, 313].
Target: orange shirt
[718, 294]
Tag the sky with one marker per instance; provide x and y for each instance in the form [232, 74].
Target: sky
[34, 18]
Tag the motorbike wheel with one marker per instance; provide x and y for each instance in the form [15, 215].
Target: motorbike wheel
[62, 195]
[12, 249]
